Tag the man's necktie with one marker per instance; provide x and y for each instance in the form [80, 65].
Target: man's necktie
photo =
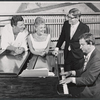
[85, 62]
[72, 31]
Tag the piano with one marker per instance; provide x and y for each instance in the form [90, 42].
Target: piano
[14, 86]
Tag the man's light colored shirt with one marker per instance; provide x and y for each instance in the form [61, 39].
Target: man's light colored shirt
[73, 28]
[7, 38]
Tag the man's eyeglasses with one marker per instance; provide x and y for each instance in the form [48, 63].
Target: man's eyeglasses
[69, 17]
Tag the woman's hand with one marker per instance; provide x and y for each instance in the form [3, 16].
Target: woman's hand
[56, 51]
[19, 50]
[43, 53]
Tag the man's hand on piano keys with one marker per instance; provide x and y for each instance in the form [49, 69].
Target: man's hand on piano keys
[67, 80]
[66, 74]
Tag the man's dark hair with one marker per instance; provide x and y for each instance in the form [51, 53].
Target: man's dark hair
[15, 19]
[88, 37]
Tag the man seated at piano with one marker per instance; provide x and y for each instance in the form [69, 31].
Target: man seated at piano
[39, 43]
[14, 36]
[86, 80]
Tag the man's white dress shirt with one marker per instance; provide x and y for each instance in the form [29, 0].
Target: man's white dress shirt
[73, 29]
[7, 38]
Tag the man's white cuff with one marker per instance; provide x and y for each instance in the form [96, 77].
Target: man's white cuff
[56, 49]
[74, 80]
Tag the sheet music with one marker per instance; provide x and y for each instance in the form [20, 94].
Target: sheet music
[41, 72]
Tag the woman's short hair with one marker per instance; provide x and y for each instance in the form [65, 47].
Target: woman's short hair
[39, 21]
[75, 12]
[15, 19]
[88, 37]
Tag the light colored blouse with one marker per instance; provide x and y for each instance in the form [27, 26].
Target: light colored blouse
[40, 45]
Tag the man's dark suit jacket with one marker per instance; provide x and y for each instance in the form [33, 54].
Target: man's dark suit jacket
[74, 42]
[90, 77]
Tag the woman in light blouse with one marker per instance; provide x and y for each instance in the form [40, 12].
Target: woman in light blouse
[39, 43]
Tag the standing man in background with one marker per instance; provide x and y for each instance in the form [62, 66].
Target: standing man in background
[14, 36]
[71, 30]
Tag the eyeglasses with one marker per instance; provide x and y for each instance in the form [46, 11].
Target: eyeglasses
[69, 17]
